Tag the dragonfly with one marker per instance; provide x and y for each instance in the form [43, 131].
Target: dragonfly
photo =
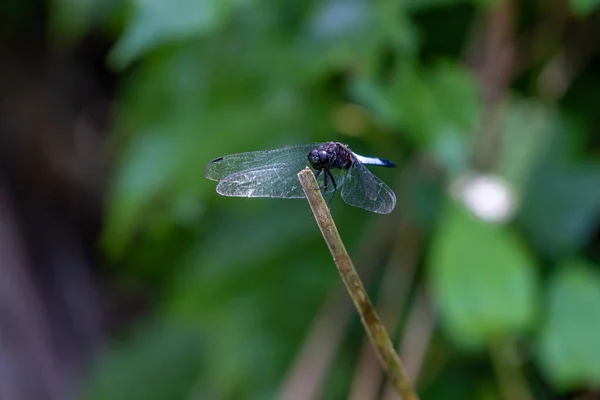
[273, 173]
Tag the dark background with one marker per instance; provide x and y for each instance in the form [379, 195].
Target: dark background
[123, 275]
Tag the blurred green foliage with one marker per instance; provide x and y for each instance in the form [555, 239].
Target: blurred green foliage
[473, 266]
[238, 281]
[573, 296]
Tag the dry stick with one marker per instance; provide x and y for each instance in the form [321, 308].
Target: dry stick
[306, 375]
[393, 294]
[377, 333]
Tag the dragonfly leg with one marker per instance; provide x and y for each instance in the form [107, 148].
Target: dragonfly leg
[321, 187]
[334, 187]
[325, 183]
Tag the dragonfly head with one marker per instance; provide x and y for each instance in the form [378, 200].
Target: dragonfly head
[319, 159]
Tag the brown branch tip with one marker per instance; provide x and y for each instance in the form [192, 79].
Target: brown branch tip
[375, 329]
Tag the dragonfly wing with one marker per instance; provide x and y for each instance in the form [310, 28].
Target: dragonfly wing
[221, 167]
[365, 190]
[275, 180]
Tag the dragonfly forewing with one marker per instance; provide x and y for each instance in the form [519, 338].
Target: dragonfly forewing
[222, 167]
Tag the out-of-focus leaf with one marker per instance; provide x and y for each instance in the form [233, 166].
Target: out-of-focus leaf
[424, 5]
[350, 33]
[569, 351]
[484, 281]
[456, 94]
[526, 137]
[73, 19]
[424, 106]
[148, 168]
[215, 266]
[424, 196]
[432, 109]
[158, 22]
[562, 207]
[158, 363]
[559, 196]
[452, 140]
[230, 282]
[341, 18]
[584, 7]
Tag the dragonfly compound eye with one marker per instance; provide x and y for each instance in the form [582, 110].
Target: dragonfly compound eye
[316, 159]
[323, 157]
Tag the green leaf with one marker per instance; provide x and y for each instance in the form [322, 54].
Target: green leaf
[561, 202]
[449, 82]
[562, 207]
[425, 5]
[158, 22]
[558, 193]
[70, 21]
[583, 8]
[423, 105]
[147, 168]
[527, 136]
[351, 33]
[484, 281]
[73, 18]
[569, 352]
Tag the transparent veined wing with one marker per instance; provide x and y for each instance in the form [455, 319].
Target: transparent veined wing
[275, 180]
[365, 190]
[222, 167]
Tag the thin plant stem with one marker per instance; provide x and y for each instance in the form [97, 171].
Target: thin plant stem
[376, 331]
[511, 379]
